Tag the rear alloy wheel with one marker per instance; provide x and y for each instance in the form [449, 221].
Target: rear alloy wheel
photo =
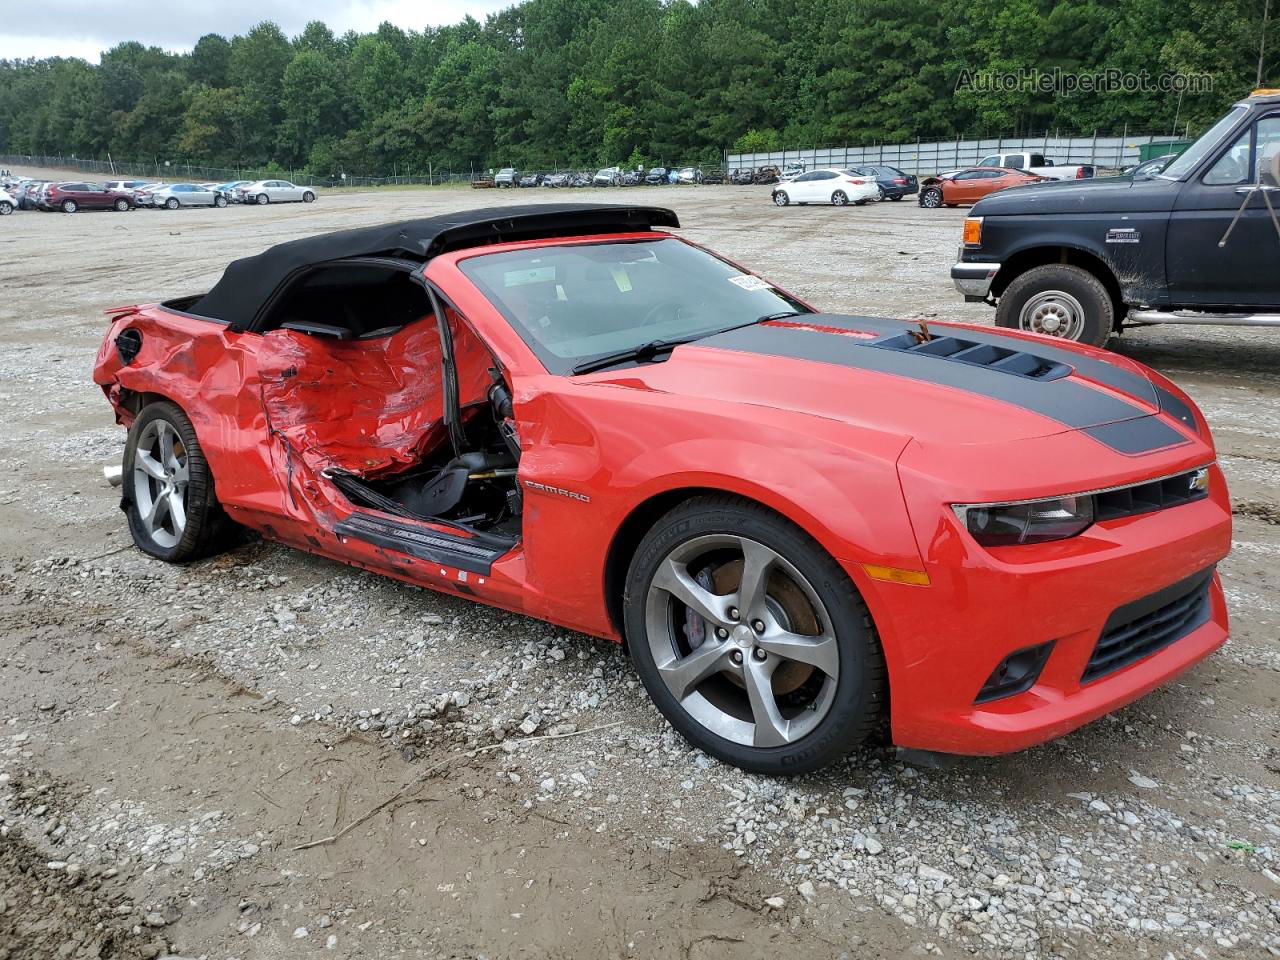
[839, 198]
[780, 198]
[750, 639]
[880, 194]
[263, 199]
[121, 205]
[219, 201]
[308, 197]
[6, 208]
[931, 197]
[70, 206]
[168, 488]
[171, 203]
[1058, 300]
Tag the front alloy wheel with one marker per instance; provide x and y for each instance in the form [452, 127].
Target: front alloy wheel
[750, 639]
[780, 198]
[931, 198]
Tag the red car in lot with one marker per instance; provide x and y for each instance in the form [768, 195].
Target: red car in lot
[971, 185]
[800, 523]
[71, 196]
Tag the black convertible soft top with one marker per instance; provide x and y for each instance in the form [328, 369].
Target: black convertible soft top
[247, 284]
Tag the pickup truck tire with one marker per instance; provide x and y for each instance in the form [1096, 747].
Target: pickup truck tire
[1058, 300]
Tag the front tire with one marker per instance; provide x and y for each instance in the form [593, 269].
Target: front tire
[931, 197]
[169, 497]
[780, 198]
[751, 640]
[1058, 300]
[308, 197]
[6, 208]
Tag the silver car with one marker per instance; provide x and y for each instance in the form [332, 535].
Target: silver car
[275, 191]
[177, 195]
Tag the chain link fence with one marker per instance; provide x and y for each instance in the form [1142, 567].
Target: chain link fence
[924, 157]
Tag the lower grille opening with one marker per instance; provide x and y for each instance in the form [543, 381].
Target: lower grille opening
[1015, 674]
[1146, 626]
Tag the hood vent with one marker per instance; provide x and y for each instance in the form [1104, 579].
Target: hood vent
[1015, 362]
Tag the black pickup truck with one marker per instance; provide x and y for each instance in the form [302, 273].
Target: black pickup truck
[1198, 242]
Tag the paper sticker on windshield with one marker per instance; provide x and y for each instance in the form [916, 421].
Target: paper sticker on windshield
[748, 282]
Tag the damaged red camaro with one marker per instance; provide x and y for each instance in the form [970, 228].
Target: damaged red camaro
[802, 524]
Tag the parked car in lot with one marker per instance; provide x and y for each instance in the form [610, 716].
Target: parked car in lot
[582, 178]
[8, 203]
[1195, 244]
[1149, 168]
[633, 178]
[1038, 164]
[1022, 537]
[274, 191]
[656, 176]
[742, 177]
[145, 196]
[838, 187]
[607, 177]
[507, 177]
[125, 186]
[690, 175]
[30, 193]
[556, 180]
[713, 175]
[790, 171]
[893, 183]
[229, 189]
[530, 180]
[175, 195]
[71, 196]
[766, 175]
[971, 185]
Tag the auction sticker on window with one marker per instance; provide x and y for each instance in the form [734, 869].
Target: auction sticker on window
[748, 282]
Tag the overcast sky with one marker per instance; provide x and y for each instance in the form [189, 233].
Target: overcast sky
[81, 28]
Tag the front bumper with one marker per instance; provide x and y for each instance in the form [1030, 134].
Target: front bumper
[942, 642]
[974, 279]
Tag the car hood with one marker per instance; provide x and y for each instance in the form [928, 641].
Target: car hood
[871, 373]
[1090, 195]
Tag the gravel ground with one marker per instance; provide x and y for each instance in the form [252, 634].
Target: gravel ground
[169, 736]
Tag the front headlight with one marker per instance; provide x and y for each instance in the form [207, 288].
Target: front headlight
[1033, 521]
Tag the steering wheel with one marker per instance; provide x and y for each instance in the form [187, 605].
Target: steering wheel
[655, 313]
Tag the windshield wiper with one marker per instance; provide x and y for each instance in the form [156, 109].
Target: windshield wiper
[780, 315]
[641, 354]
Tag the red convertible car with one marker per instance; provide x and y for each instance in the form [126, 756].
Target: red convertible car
[801, 524]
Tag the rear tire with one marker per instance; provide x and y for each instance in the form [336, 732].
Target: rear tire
[6, 208]
[169, 498]
[839, 198]
[121, 205]
[1058, 300]
[70, 206]
[171, 203]
[796, 681]
[263, 199]
[219, 201]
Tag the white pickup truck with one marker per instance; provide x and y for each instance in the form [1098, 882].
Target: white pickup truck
[1038, 164]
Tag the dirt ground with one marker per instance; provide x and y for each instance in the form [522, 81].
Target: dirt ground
[173, 741]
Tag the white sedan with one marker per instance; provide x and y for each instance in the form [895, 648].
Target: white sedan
[8, 202]
[275, 191]
[833, 186]
[175, 195]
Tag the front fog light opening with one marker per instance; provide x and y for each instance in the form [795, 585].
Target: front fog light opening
[1016, 673]
[1031, 521]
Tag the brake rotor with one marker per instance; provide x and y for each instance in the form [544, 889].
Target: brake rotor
[789, 606]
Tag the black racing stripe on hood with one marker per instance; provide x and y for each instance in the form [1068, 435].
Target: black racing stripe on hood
[1136, 436]
[1108, 374]
[1073, 403]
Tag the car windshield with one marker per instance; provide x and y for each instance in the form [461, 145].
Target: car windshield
[1192, 156]
[575, 303]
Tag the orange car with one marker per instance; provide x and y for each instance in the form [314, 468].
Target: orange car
[971, 184]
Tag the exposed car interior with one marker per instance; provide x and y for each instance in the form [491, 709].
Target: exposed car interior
[406, 359]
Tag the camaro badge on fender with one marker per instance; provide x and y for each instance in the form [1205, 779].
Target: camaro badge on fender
[559, 491]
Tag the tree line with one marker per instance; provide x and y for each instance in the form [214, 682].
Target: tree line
[585, 82]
